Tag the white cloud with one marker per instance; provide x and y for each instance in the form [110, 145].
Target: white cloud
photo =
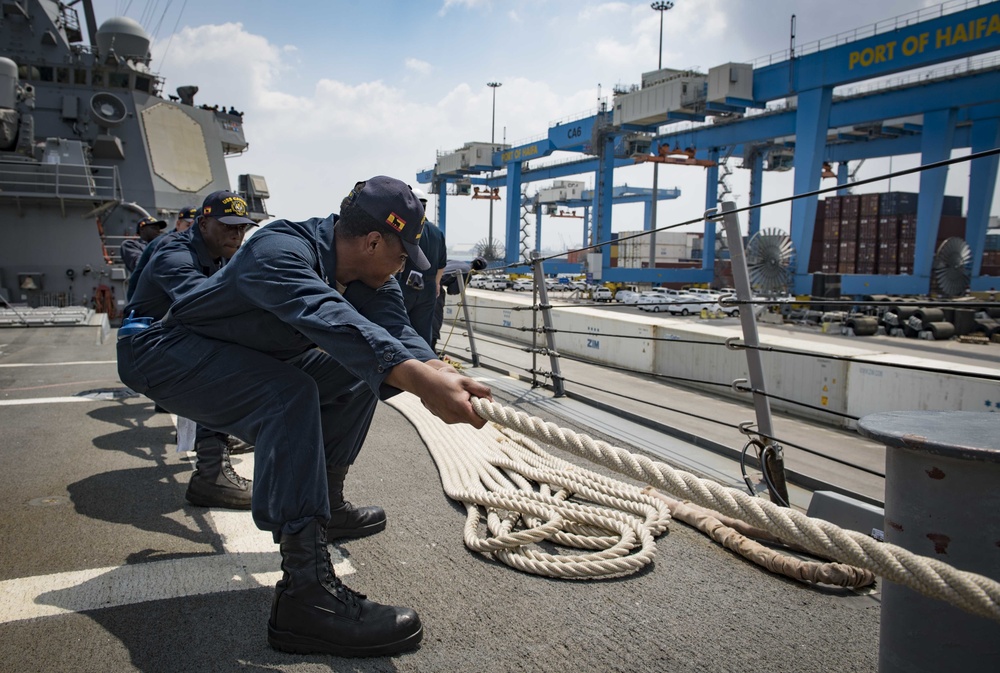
[418, 66]
[601, 12]
[467, 4]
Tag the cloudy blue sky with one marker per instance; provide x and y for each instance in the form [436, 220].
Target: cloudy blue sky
[336, 91]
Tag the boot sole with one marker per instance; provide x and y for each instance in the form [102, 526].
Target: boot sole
[346, 533]
[294, 644]
[199, 501]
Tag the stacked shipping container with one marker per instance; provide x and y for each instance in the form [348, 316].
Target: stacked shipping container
[991, 255]
[850, 212]
[831, 236]
[867, 262]
[876, 233]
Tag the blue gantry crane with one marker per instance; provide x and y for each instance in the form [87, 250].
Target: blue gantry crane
[791, 111]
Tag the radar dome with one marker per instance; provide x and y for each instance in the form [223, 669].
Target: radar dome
[8, 83]
[123, 36]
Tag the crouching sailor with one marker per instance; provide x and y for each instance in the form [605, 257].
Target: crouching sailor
[181, 263]
[290, 346]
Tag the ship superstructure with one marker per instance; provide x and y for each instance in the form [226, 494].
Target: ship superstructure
[89, 144]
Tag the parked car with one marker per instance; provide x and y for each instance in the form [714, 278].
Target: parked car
[627, 297]
[601, 293]
[578, 285]
[523, 285]
[671, 294]
[496, 283]
[478, 281]
[651, 300]
[691, 304]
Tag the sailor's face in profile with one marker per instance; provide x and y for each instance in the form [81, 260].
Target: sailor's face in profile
[222, 240]
[148, 232]
[386, 258]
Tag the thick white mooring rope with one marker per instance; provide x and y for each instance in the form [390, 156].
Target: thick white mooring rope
[526, 494]
[974, 593]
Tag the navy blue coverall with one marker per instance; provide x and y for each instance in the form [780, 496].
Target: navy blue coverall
[239, 354]
[180, 263]
[131, 251]
[420, 303]
[147, 252]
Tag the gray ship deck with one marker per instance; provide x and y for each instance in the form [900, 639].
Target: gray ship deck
[105, 568]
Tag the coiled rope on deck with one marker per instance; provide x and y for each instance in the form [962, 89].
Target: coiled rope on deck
[972, 592]
[526, 494]
[531, 500]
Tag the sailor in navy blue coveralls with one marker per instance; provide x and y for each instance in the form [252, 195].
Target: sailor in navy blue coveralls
[181, 263]
[185, 220]
[148, 228]
[420, 287]
[290, 346]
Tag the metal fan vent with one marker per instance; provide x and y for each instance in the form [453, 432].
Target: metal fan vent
[492, 251]
[953, 267]
[770, 256]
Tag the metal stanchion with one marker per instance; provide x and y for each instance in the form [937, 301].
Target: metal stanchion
[772, 457]
[468, 323]
[942, 500]
[543, 298]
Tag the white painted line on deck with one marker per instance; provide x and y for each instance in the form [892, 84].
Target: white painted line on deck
[251, 561]
[60, 364]
[43, 400]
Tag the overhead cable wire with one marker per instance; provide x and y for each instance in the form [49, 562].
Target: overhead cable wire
[177, 23]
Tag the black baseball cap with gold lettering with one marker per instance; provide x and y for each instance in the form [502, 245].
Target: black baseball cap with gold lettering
[147, 221]
[392, 201]
[226, 207]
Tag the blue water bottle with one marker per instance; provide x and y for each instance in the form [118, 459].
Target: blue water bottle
[132, 325]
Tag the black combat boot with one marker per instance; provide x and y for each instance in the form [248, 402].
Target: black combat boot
[215, 482]
[346, 520]
[236, 446]
[314, 612]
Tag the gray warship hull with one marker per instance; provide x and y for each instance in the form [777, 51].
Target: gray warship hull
[89, 145]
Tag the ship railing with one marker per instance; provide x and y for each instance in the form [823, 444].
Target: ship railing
[22, 179]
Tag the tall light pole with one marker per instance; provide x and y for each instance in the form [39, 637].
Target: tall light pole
[493, 125]
[660, 7]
